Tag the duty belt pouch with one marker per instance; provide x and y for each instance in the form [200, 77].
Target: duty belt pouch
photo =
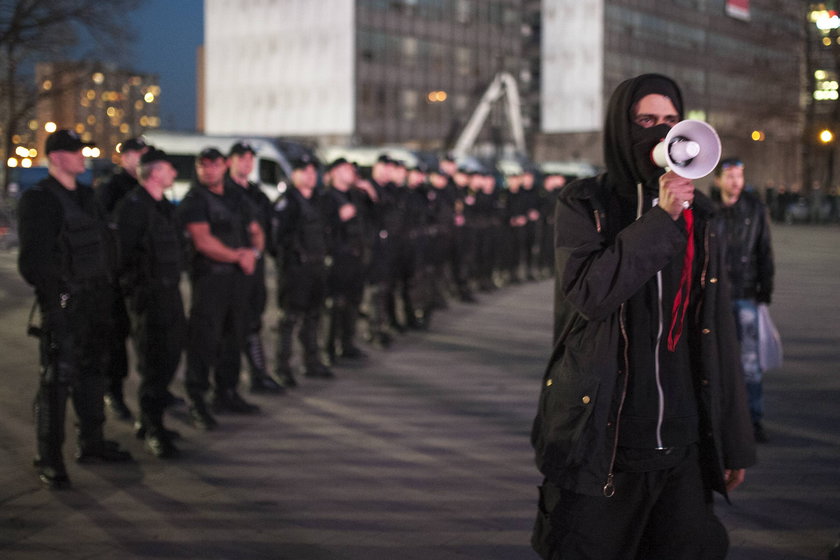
[542, 540]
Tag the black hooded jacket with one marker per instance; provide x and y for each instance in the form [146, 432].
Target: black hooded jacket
[611, 243]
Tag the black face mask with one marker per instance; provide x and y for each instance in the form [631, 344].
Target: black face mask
[644, 141]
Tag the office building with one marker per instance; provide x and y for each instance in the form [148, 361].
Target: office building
[357, 72]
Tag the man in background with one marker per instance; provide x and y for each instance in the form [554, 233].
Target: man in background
[749, 261]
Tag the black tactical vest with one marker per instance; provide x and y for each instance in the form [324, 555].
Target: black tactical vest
[83, 240]
[163, 249]
[228, 225]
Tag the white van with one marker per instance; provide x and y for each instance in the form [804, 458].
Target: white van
[271, 171]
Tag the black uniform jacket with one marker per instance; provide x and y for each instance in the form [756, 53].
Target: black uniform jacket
[600, 265]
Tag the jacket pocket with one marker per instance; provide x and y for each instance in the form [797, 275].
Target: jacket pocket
[567, 399]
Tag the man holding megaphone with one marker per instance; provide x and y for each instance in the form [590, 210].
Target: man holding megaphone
[642, 413]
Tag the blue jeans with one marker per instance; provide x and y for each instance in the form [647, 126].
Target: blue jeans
[746, 321]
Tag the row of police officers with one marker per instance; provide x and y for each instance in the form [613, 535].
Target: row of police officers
[389, 249]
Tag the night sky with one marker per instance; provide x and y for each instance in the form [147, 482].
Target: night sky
[167, 35]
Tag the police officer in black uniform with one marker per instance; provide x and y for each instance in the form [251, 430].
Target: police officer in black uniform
[66, 253]
[300, 242]
[241, 159]
[226, 241]
[384, 215]
[150, 273]
[342, 207]
[414, 273]
[109, 195]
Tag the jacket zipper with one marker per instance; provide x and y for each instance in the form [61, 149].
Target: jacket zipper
[609, 487]
[659, 391]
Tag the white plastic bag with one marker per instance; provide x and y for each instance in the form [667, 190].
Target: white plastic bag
[769, 341]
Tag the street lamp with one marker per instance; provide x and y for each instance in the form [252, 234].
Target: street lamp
[826, 136]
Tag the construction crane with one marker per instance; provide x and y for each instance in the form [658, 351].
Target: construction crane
[502, 84]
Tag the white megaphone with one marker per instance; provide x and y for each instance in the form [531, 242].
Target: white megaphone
[691, 149]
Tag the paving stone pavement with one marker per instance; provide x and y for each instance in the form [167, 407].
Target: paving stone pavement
[422, 453]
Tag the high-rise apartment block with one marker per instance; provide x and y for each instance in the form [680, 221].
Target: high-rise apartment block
[102, 103]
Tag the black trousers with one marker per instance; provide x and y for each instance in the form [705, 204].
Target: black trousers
[116, 369]
[215, 332]
[159, 330]
[256, 300]
[657, 515]
[73, 362]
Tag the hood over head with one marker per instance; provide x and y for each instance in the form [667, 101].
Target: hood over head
[627, 145]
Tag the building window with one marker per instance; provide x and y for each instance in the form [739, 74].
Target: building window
[409, 100]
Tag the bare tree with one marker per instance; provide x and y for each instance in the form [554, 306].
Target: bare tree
[44, 30]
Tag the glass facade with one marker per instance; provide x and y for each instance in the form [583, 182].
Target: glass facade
[422, 65]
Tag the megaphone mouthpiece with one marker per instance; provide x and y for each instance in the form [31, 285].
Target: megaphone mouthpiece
[682, 150]
[691, 149]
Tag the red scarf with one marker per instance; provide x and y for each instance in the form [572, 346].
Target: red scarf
[681, 299]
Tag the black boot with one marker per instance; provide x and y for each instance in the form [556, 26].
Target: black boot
[285, 376]
[230, 401]
[349, 317]
[309, 339]
[101, 451]
[50, 408]
[283, 371]
[116, 402]
[261, 381]
[200, 417]
[158, 443]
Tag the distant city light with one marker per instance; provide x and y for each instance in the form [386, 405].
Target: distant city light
[33, 153]
[26, 162]
[820, 74]
[12, 162]
[98, 77]
[50, 127]
[826, 136]
[437, 96]
[21, 151]
[92, 152]
[757, 136]
[826, 21]
[149, 97]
